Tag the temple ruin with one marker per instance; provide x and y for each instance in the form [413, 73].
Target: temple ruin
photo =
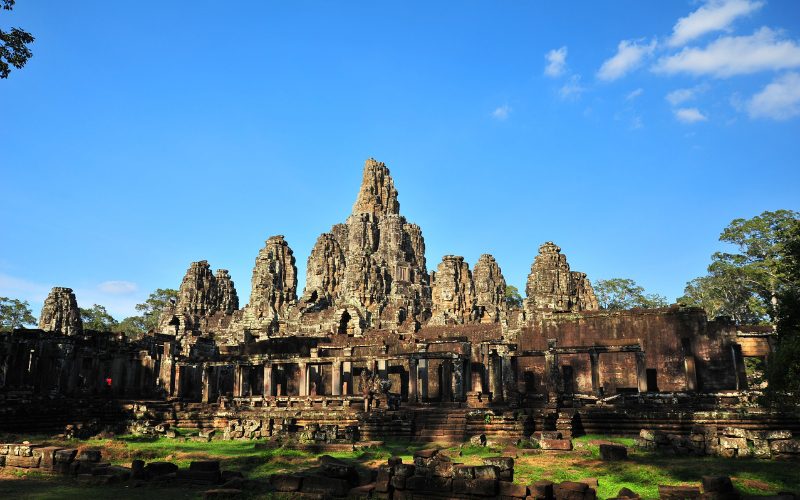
[375, 344]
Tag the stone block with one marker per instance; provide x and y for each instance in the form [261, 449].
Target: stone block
[753, 435]
[398, 482]
[726, 452]
[205, 466]
[571, 490]
[202, 477]
[591, 482]
[779, 435]
[431, 484]
[286, 482]
[361, 492]
[475, 487]
[137, 469]
[463, 472]
[66, 455]
[761, 448]
[613, 452]
[644, 444]
[339, 469]
[678, 492]
[717, 484]
[405, 470]
[222, 493]
[542, 490]
[507, 489]
[781, 446]
[486, 472]
[502, 463]
[325, 486]
[550, 435]
[627, 493]
[48, 456]
[737, 443]
[647, 435]
[22, 461]
[90, 455]
[734, 432]
[556, 444]
[157, 469]
[394, 461]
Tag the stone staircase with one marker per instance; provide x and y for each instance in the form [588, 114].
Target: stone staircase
[442, 425]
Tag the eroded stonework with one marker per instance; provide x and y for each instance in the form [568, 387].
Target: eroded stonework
[60, 312]
[274, 284]
[552, 287]
[490, 290]
[453, 292]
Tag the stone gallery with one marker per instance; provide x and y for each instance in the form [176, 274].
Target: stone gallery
[377, 346]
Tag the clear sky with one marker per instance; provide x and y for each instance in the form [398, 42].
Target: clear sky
[141, 137]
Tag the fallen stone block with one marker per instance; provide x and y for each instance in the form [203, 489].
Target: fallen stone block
[549, 435]
[647, 435]
[477, 487]
[556, 444]
[325, 486]
[222, 493]
[541, 490]
[361, 492]
[48, 456]
[156, 469]
[286, 482]
[502, 463]
[507, 489]
[778, 435]
[22, 461]
[394, 461]
[406, 470]
[627, 493]
[572, 490]
[65, 455]
[782, 446]
[463, 472]
[613, 452]
[717, 484]
[199, 477]
[89, 455]
[737, 443]
[734, 432]
[490, 472]
[678, 492]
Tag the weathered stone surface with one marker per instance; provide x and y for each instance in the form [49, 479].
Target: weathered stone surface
[60, 312]
[227, 300]
[274, 283]
[733, 442]
[556, 444]
[325, 272]
[785, 446]
[453, 293]
[779, 435]
[613, 452]
[490, 290]
[552, 287]
[678, 492]
[198, 291]
[717, 484]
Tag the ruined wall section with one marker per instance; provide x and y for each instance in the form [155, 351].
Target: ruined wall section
[60, 312]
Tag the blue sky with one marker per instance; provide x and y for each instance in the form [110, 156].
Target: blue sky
[139, 139]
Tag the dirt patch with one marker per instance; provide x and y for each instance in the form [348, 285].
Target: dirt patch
[753, 484]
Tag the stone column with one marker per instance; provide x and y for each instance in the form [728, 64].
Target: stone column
[594, 358]
[336, 378]
[641, 371]
[382, 373]
[237, 381]
[423, 379]
[303, 379]
[178, 380]
[347, 371]
[509, 378]
[413, 376]
[205, 381]
[689, 365]
[267, 391]
[458, 380]
[495, 378]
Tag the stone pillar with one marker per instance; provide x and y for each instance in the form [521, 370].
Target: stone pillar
[552, 375]
[458, 380]
[495, 378]
[267, 391]
[413, 376]
[509, 381]
[237, 381]
[205, 381]
[382, 372]
[641, 371]
[594, 358]
[178, 380]
[347, 371]
[689, 365]
[336, 378]
[423, 379]
[303, 379]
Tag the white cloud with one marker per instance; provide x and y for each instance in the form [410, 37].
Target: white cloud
[502, 112]
[634, 94]
[780, 100]
[690, 115]
[679, 96]
[117, 287]
[572, 89]
[715, 15]
[556, 62]
[734, 55]
[630, 54]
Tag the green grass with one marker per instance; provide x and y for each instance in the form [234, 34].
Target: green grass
[642, 473]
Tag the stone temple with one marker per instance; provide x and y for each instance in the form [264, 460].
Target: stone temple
[376, 345]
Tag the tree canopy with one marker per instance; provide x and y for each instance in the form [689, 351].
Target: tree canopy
[155, 303]
[97, 318]
[746, 285]
[14, 314]
[513, 297]
[624, 293]
[14, 50]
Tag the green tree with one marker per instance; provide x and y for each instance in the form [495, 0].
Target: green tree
[14, 314]
[98, 319]
[155, 303]
[623, 293]
[14, 49]
[783, 368]
[513, 297]
[133, 327]
[745, 285]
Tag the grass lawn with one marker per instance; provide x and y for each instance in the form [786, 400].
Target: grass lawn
[642, 473]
